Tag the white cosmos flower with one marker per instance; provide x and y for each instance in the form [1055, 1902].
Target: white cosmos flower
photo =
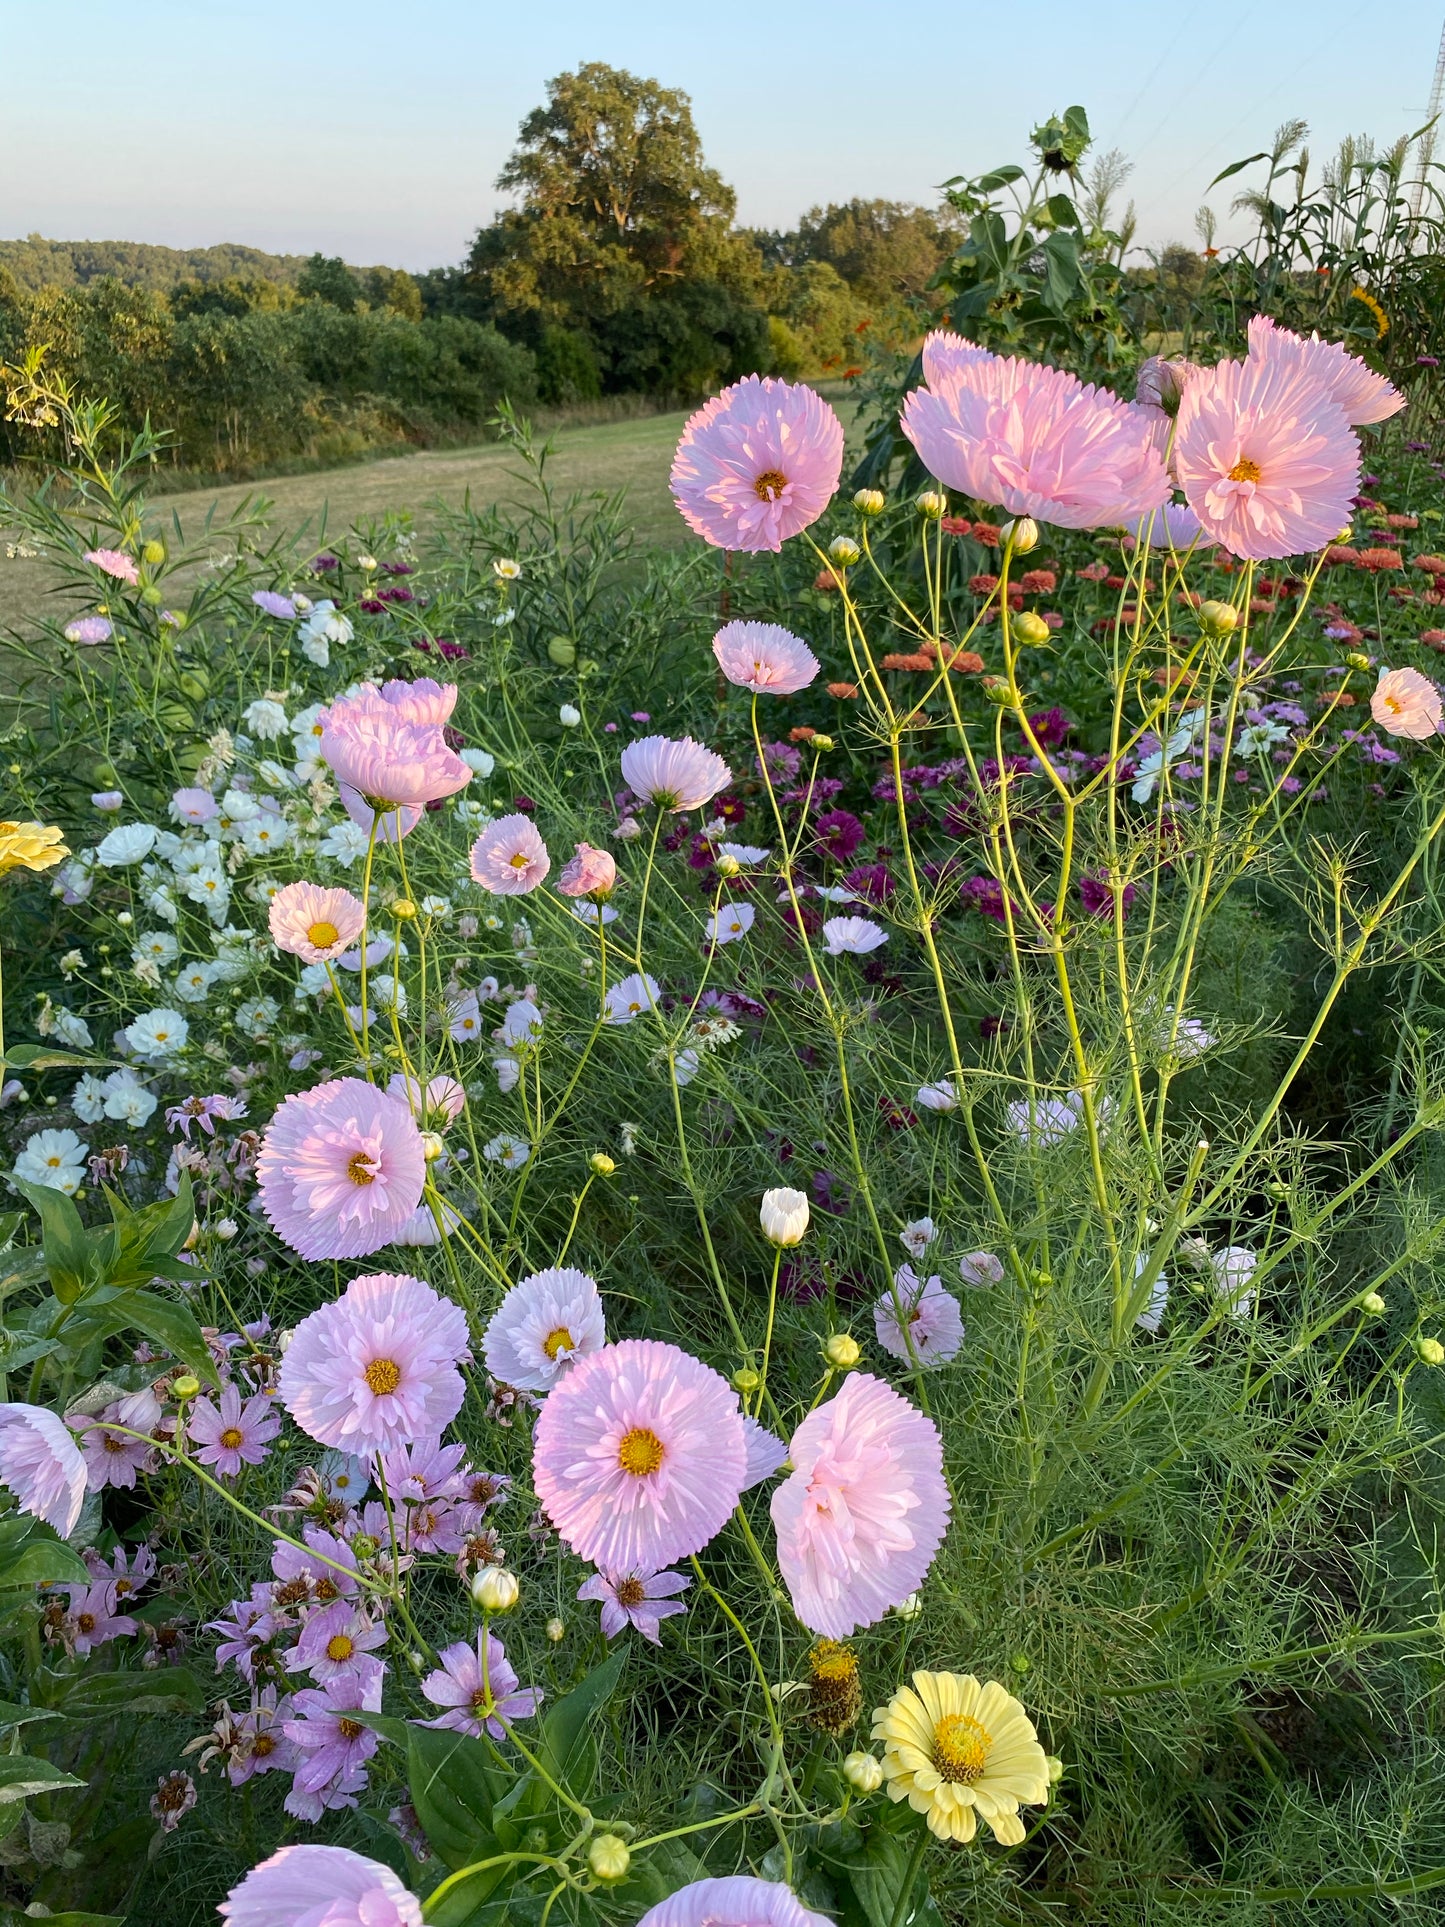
[265, 718]
[730, 922]
[127, 1100]
[1152, 1316]
[745, 853]
[980, 1268]
[508, 1151]
[55, 1159]
[509, 1072]
[938, 1096]
[155, 946]
[632, 995]
[127, 843]
[87, 1100]
[852, 936]
[158, 1034]
[917, 1236]
[69, 1028]
[479, 761]
[193, 982]
[344, 843]
[521, 1023]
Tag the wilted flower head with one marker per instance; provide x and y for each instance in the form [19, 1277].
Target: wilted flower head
[756, 464]
[315, 923]
[1353, 385]
[1405, 703]
[545, 1322]
[676, 775]
[341, 1169]
[509, 858]
[764, 657]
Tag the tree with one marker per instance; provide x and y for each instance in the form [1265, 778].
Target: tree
[884, 250]
[327, 278]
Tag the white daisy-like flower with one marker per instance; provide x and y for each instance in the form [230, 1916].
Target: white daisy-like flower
[158, 1034]
[55, 1159]
[508, 1151]
[852, 936]
[193, 982]
[127, 843]
[127, 1100]
[343, 843]
[729, 922]
[545, 1322]
[748, 854]
[266, 718]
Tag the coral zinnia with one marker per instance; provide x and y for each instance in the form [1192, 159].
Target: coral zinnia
[1266, 458]
[864, 1510]
[958, 1751]
[376, 1367]
[341, 1169]
[756, 464]
[764, 657]
[306, 1886]
[1033, 440]
[314, 923]
[639, 1455]
[1353, 385]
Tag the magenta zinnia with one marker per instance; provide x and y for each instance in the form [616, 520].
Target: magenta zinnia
[639, 1455]
[756, 464]
[377, 1367]
[864, 1509]
[764, 657]
[341, 1169]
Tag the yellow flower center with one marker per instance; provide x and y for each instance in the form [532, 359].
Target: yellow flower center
[86, 1622]
[262, 1745]
[770, 485]
[321, 934]
[232, 1437]
[640, 1452]
[340, 1646]
[630, 1592]
[560, 1340]
[1245, 470]
[382, 1375]
[361, 1169]
[831, 1659]
[960, 1749]
[519, 861]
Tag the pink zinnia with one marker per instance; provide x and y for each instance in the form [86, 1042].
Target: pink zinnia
[590, 873]
[475, 1696]
[1405, 703]
[638, 1599]
[42, 1465]
[1266, 458]
[756, 464]
[639, 1455]
[309, 1886]
[341, 1169]
[116, 563]
[509, 858]
[314, 923]
[732, 1900]
[1032, 440]
[764, 657]
[864, 1510]
[232, 1434]
[377, 1366]
[676, 775]
[1364, 396]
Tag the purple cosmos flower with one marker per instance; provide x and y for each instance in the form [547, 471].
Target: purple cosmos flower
[336, 1746]
[328, 1567]
[260, 1742]
[918, 1321]
[336, 1643]
[231, 1435]
[839, 835]
[246, 1627]
[113, 1457]
[640, 1599]
[93, 1617]
[477, 1691]
[204, 1111]
[424, 1472]
[271, 603]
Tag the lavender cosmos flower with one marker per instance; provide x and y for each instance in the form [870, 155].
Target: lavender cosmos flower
[918, 1321]
[638, 1599]
[478, 1686]
[341, 1169]
[314, 923]
[271, 603]
[765, 658]
[729, 922]
[42, 1465]
[735, 1900]
[509, 858]
[639, 1455]
[335, 1745]
[114, 1457]
[337, 1643]
[231, 1435]
[756, 464]
[376, 1366]
[88, 630]
[864, 1510]
[310, 1886]
[674, 774]
[92, 1615]
[546, 1321]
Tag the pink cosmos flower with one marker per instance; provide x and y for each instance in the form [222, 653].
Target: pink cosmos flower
[271, 603]
[639, 1599]
[509, 858]
[477, 1693]
[42, 1465]
[337, 1643]
[676, 775]
[115, 563]
[193, 806]
[639, 1455]
[93, 1618]
[1354, 386]
[341, 1169]
[114, 1457]
[336, 1747]
[233, 1434]
[1160, 383]
[440, 1104]
[863, 1512]
[1031, 439]
[387, 763]
[314, 923]
[423, 701]
[764, 657]
[756, 464]
[546, 1322]
[733, 1900]
[591, 873]
[1405, 703]
[931, 1316]
[308, 1886]
[1266, 458]
[376, 1366]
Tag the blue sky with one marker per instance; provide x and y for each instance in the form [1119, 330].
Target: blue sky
[376, 130]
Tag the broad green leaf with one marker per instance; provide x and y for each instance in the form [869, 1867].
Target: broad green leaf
[1236, 167]
[990, 183]
[565, 1727]
[69, 1254]
[20, 1776]
[171, 1689]
[13, 1715]
[23, 1348]
[453, 1787]
[43, 1562]
[463, 1906]
[40, 1057]
[173, 1325]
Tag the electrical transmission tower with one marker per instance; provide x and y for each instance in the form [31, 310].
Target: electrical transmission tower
[1427, 141]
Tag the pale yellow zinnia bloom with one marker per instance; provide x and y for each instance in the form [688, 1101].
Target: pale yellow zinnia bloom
[958, 1751]
[29, 846]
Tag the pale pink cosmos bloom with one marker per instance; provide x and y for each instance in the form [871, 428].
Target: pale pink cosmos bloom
[311, 1886]
[863, 1512]
[232, 1434]
[639, 1455]
[766, 1452]
[676, 775]
[1266, 458]
[852, 936]
[385, 763]
[764, 657]
[1405, 703]
[423, 701]
[115, 563]
[756, 464]
[638, 1599]
[377, 1366]
[314, 923]
[440, 1104]
[732, 1900]
[478, 1687]
[546, 1322]
[193, 806]
[1364, 396]
[42, 1465]
[591, 873]
[509, 858]
[341, 1169]
[1031, 439]
[918, 1321]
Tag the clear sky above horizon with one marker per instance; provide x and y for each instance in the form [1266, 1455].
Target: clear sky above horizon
[376, 131]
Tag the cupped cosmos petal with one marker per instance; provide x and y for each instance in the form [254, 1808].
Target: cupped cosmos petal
[757, 464]
[341, 1169]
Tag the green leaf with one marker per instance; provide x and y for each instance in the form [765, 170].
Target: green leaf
[33, 1554]
[453, 1788]
[69, 1253]
[992, 182]
[10, 1918]
[21, 1348]
[171, 1689]
[463, 1905]
[1061, 270]
[12, 1715]
[1236, 167]
[173, 1325]
[40, 1057]
[20, 1776]
[565, 1727]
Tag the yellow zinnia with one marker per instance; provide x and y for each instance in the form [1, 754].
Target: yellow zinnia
[956, 1749]
[29, 846]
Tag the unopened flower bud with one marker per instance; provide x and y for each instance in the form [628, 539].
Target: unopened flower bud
[603, 1165]
[1024, 534]
[186, 1386]
[1055, 1766]
[403, 908]
[364, 1546]
[367, 562]
[431, 1146]
[569, 716]
[1030, 630]
[842, 1351]
[495, 1589]
[995, 689]
[783, 1215]
[745, 1379]
[869, 501]
[563, 651]
[609, 1856]
[556, 1631]
[1356, 660]
[1430, 1351]
[728, 866]
[151, 596]
[153, 554]
[844, 551]
[1372, 1302]
[821, 742]
[1218, 618]
[931, 504]
[863, 1772]
[908, 1608]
